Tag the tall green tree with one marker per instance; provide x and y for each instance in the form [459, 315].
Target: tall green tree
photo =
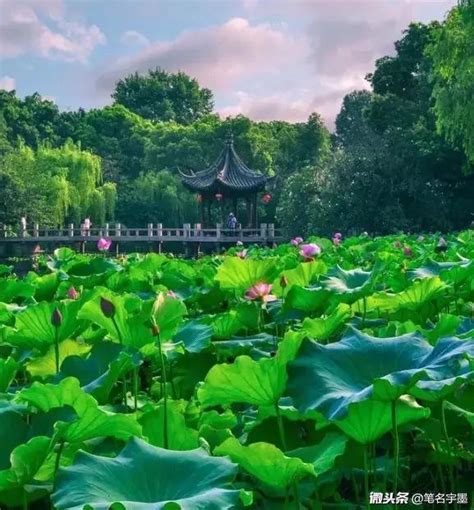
[452, 52]
[163, 96]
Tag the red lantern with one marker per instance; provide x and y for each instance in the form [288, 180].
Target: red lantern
[199, 198]
[266, 198]
[219, 196]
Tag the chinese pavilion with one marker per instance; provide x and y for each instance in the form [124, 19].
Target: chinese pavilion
[225, 182]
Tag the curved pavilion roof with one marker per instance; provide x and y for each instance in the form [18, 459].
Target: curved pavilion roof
[228, 173]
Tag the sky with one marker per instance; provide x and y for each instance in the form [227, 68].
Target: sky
[266, 59]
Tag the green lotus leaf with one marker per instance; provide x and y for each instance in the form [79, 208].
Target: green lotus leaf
[322, 455]
[101, 369]
[226, 325]
[248, 381]
[25, 461]
[452, 272]
[459, 411]
[45, 286]
[266, 462]
[8, 369]
[12, 289]
[240, 274]
[131, 321]
[46, 365]
[328, 378]
[351, 284]
[326, 327]
[35, 330]
[144, 477]
[195, 336]
[180, 436]
[307, 299]
[368, 420]
[412, 298]
[91, 421]
[303, 275]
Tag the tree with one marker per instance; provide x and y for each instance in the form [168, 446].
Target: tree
[163, 96]
[351, 123]
[452, 52]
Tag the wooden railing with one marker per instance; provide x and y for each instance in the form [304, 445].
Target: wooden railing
[154, 232]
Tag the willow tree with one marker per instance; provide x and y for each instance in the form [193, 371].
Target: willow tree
[58, 185]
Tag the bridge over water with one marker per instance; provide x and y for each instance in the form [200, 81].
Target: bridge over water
[155, 237]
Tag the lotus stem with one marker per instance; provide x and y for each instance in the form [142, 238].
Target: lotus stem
[165, 393]
[448, 444]
[135, 388]
[366, 476]
[119, 335]
[56, 348]
[364, 300]
[396, 446]
[57, 461]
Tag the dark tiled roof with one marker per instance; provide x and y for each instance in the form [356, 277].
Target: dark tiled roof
[228, 172]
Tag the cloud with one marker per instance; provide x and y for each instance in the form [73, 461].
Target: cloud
[133, 37]
[7, 83]
[26, 27]
[217, 56]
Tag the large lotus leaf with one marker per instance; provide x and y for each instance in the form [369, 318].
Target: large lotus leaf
[8, 369]
[266, 462]
[460, 412]
[180, 436]
[195, 336]
[103, 367]
[303, 275]
[240, 274]
[35, 330]
[90, 272]
[12, 289]
[307, 299]
[132, 323]
[25, 461]
[325, 327]
[368, 420]
[45, 286]
[168, 313]
[13, 432]
[248, 381]
[46, 365]
[226, 324]
[351, 284]
[91, 421]
[330, 377]
[322, 455]
[452, 272]
[412, 298]
[144, 477]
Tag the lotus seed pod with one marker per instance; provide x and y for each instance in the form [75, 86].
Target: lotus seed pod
[56, 318]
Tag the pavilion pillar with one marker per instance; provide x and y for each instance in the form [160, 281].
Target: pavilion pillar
[201, 212]
[209, 212]
[254, 219]
[248, 204]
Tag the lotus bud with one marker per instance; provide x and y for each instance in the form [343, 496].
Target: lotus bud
[283, 281]
[107, 307]
[155, 330]
[159, 301]
[56, 318]
[72, 293]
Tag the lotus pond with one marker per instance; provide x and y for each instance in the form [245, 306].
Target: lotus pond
[295, 377]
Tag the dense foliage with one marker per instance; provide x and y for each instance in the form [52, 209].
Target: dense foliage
[401, 156]
[294, 377]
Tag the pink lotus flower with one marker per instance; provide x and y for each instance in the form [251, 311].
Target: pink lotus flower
[37, 250]
[338, 235]
[296, 241]
[337, 238]
[103, 244]
[397, 244]
[72, 293]
[309, 251]
[242, 254]
[407, 251]
[239, 243]
[260, 292]
[172, 294]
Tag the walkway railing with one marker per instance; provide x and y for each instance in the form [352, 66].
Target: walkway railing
[153, 232]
